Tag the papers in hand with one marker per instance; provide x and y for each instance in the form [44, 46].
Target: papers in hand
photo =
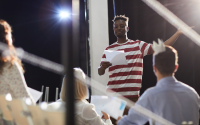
[111, 105]
[115, 107]
[99, 102]
[35, 94]
[116, 57]
[158, 48]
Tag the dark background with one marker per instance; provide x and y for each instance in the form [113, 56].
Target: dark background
[36, 28]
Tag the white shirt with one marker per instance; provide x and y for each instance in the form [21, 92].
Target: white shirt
[85, 113]
[170, 99]
[12, 81]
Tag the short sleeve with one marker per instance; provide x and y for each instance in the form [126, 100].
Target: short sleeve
[103, 58]
[92, 117]
[145, 48]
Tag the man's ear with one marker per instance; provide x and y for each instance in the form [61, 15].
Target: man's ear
[176, 67]
[127, 28]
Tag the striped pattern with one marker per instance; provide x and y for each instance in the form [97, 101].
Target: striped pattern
[126, 79]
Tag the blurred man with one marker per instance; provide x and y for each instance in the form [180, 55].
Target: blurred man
[170, 99]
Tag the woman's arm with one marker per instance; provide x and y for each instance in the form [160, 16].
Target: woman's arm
[92, 117]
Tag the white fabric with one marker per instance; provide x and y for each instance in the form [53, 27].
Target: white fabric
[124, 77]
[158, 48]
[126, 85]
[126, 70]
[85, 113]
[56, 106]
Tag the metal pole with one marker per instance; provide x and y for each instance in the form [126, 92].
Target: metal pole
[114, 8]
[45, 97]
[67, 61]
[56, 98]
[42, 94]
[47, 90]
[87, 44]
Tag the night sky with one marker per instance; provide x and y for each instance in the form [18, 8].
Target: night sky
[36, 28]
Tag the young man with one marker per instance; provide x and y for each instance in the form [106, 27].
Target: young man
[170, 99]
[126, 79]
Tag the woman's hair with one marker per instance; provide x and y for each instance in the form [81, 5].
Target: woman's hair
[80, 86]
[5, 31]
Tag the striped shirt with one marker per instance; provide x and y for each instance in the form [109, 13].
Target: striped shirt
[126, 79]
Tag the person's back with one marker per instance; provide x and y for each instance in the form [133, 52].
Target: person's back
[176, 101]
[170, 99]
[83, 113]
[11, 71]
[12, 81]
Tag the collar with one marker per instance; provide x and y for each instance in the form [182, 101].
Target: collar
[123, 43]
[166, 81]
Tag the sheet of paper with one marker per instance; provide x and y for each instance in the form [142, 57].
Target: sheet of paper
[88, 94]
[99, 102]
[116, 57]
[115, 107]
[35, 94]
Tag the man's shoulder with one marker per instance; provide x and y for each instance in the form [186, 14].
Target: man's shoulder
[112, 45]
[189, 88]
[150, 91]
[129, 42]
[153, 91]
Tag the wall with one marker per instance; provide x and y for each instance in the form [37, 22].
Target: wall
[99, 39]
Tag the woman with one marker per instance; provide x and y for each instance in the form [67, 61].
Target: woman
[85, 112]
[11, 71]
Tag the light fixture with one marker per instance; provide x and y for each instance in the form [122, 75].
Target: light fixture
[64, 14]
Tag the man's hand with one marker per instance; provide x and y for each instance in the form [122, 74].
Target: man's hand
[103, 67]
[118, 119]
[180, 32]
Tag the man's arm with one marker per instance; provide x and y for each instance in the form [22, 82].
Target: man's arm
[103, 67]
[171, 40]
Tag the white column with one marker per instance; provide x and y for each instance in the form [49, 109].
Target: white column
[99, 39]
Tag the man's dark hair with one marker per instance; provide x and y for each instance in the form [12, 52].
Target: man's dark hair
[121, 17]
[165, 62]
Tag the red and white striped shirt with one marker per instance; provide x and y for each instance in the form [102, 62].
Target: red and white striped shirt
[127, 79]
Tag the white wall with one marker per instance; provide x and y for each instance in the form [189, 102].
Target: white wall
[99, 39]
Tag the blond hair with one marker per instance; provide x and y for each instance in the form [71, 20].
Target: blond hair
[80, 85]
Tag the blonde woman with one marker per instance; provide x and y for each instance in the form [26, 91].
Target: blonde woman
[11, 71]
[85, 112]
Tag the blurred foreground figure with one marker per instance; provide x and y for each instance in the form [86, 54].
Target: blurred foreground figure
[85, 113]
[11, 71]
[170, 98]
